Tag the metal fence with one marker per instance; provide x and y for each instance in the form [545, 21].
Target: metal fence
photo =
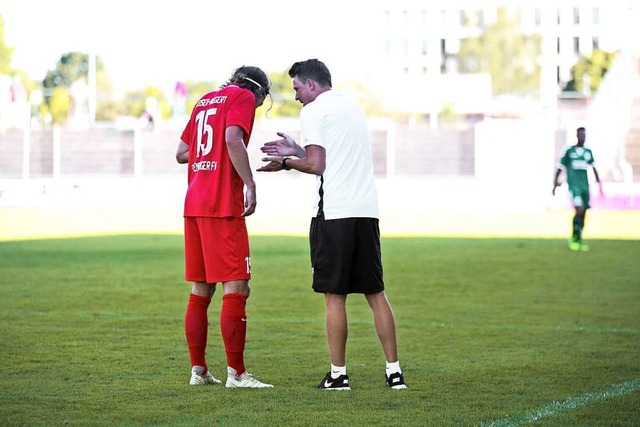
[106, 150]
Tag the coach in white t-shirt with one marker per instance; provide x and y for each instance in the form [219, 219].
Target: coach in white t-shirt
[339, 126]
[344, 235]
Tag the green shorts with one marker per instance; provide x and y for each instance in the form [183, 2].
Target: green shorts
[579, 197]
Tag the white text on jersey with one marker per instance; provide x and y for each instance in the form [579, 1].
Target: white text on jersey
[211, 101]
[204, 165]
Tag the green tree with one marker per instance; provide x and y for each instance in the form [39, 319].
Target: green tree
[508, 55]
[590, 68]
[195, 90]
[6, 52]
[71, 67]
[59, 104]
[283, 102]
[138, 102]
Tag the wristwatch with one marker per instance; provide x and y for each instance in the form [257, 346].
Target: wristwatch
[284, 164]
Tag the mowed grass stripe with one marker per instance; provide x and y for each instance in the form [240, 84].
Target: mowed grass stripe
[555, 408]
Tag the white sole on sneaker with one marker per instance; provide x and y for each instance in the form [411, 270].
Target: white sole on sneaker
[246, 380]
[206, 379]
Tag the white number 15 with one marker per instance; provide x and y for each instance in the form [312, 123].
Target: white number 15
[205, 132]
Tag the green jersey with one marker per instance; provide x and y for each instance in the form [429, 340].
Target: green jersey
[576, 161]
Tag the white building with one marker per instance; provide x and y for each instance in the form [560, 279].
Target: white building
[417, 42]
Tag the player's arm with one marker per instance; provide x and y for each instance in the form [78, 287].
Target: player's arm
[182, 152]
[240, 159]
[556, 182]
[563, 163]
[597, 176]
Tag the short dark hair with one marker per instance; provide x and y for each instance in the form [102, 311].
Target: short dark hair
[581, 128]
[251, 78]
[311, 69]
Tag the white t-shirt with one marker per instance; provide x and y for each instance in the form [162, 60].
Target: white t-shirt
[339, 126]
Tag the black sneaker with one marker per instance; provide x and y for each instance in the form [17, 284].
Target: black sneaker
[340, 383]
[396, 381]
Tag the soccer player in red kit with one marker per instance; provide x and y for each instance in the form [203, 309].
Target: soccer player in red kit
[221, 193]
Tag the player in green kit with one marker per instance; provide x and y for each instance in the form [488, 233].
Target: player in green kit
[576, 160]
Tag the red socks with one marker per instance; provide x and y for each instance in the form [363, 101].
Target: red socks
[233, 325]
[196, 324]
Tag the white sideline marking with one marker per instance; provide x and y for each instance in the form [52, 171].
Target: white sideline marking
[615, 390]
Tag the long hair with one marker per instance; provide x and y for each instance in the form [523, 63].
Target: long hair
[251, 78]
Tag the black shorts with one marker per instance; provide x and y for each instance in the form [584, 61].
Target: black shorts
[345, 255]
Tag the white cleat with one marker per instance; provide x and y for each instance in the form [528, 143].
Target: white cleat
[198, 379]
[246, 380]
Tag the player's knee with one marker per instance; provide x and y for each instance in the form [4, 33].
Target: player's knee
[240, 287]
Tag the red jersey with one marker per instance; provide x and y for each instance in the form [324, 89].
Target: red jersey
[215, 189]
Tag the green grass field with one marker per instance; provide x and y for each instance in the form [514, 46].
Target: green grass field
[491, 332]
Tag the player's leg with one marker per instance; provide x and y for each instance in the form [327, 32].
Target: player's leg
[367, 279]
[196, 331]
[331, 253]
[337, 329]
[196, 321]
[385, 326]
[577, 226]
[228, 261]
[233, 323]
[337, 332]
[196, 324]
[585, 206]
[233, 326]
[384, 323]
[578, 219]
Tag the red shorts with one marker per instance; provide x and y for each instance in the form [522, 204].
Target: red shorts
[216, 249]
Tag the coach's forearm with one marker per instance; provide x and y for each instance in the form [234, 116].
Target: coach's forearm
[301, 153]
[313, 163]
[305, 166]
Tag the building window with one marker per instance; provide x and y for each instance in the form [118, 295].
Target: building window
[405, 70]
[538, 17]
[387, 47]
[424, 46]
[576, 15]
[405, 47]
[576, 45]
[595, 15]
[424, 70]
[558, 45]
[559, 13]
[595, 43]
[405, 18]
[443, 47]
[423, 15]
